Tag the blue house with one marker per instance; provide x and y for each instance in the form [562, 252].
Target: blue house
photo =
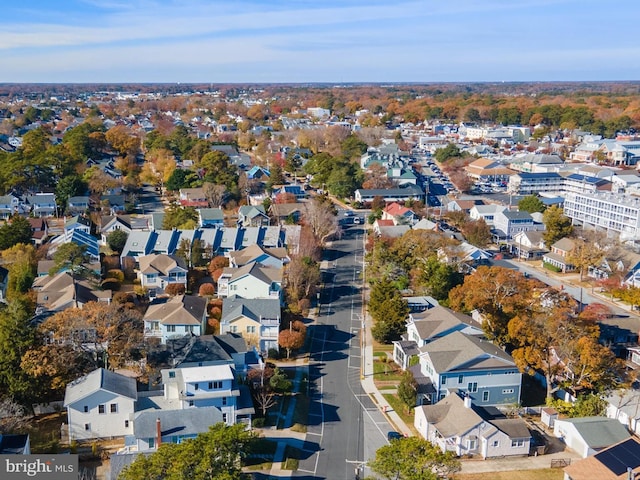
[469, 364]
[258, 173]
[210, 217]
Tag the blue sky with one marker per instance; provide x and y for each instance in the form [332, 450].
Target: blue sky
[318, 41]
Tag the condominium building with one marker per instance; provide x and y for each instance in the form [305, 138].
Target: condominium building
[614, 213]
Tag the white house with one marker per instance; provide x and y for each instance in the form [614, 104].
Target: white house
[455, 424]
[99, 405]
[624, 406]
[207, 386]
[251, 281]
[588, 435]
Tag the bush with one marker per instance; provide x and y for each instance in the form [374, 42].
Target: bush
[116, 274]
[174, 289]
[258, 422]
[110, 284]
[206, 290]
[274, 353]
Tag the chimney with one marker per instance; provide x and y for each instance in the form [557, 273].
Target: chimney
[467, 402]
[158, 433]
[630, 474]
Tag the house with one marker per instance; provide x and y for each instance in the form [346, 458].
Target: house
[488, 170]
[507, 223]
[286, 212]
[624, 406]
[209, 386]
[588, 435]
[210, 217]
[175, 317]
[60, 291]
[253, 280]
[462, 205]
[252, 216]
[485, 212]
[399, 194]
[115, 204]
[78, 205]
[294, 189]
[39, 229]
[424, 327]
[454, 424]
[42, 204]
[79, 223]
[528, 245]
[257, 320]
[620, 461]
[472, 365]
[258, 173]
[99, 405]
[464, 253]
[399, 214]
[557, 257]
[153, 427]
[111, 223]
[9, 204]
[268, 257]
[193, 197]
[15, 444]
[156, 272]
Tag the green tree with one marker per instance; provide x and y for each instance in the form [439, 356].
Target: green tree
[21, 262]
[557, 225]
[178, 179]
[17, 336]
[388, 310]
[450, 151]
[67, 187]
[69, 256]
[184, 218]
[439, 278]
[531, 204]
[353, 147]
[408, 390]
[117, 240]
[413, 458]
[214, 455]
[17, 230]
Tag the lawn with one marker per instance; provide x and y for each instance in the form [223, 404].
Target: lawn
[386, 372]
[44, 432]
[542, 474]
[400, 409]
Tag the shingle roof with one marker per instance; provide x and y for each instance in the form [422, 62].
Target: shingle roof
[450, 416]
[179, 310]
[190, 421]
[234, 307]
[160, 263]
[599, 432]
[100, 379]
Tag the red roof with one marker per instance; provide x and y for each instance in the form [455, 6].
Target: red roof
[396, 210]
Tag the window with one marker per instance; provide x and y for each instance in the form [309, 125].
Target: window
[444, 380]
[172, 374]
[472, 387]
[495, 443]
[102, 409]
[126, 424]
[87, 426]
[86, 408]
[251, 329]
[196, 386]
[215, 384]
[471, 444]
[485, 396]
[113, 408]
[507, 391]
[460, 378]
[517, 443]
[224, 417]
[171, 328]
[191, 403]
[152, 442]
[210, 385]
[224, 401]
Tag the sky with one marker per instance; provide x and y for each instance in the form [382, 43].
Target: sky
[300, 41]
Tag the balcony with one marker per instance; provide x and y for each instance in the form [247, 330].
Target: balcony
[152, 332]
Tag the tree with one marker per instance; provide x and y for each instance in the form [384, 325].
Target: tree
[293, 338]
[21, 262]
[303, 277]
[321, 219]
[216, 454]
[557, 225]
[477, 232]
[17, 336]
[548, 332]
[531, 204]
[67, 187]
[69, 256]
[207, 290]
[279, 382]
[215, 194]
[439, 278]
[408, 390]
[413, 458]
[498, 294]
[448, 152]
[17, 230]
[13, 418]
[117, 240]
[388, 310]
[174, 289]
[584, 255]
[182, 218]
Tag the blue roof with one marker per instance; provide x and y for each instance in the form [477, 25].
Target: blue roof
[538, 175]
[585, 178]
[81, 238]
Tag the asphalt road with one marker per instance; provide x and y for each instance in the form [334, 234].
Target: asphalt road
[345, 427]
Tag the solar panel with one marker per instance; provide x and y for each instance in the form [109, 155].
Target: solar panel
[619, 457]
